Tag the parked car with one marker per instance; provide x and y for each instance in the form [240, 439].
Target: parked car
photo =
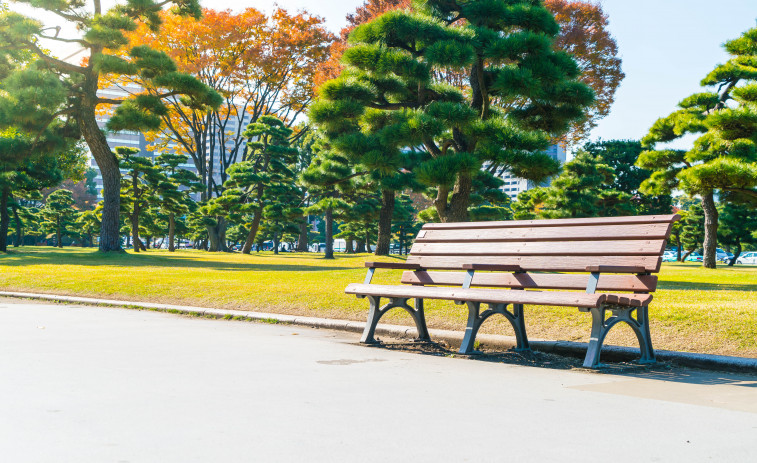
[747, 258]
[694, 257]
[669, 256]
[723, 256]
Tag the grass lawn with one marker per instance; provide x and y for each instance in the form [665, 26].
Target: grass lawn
[694, 309]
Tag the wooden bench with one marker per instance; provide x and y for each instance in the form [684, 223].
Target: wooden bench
[599, 265]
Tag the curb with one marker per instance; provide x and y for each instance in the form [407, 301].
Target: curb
[454, 338]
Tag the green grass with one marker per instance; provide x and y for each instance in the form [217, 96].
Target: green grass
[695, 309]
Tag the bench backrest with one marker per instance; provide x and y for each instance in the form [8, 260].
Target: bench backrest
[557, 245]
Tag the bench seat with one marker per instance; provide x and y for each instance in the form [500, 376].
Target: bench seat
[500, 296]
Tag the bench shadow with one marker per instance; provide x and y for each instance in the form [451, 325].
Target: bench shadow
[660, 371]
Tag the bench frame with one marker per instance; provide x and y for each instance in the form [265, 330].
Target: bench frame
[601, 323]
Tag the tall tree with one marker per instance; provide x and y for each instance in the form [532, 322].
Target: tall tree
[262, 65]
[621, 156]
[737, 224]
[387, 99]
[723, 159]
[68, 90]
[139, 188]
[584, 33]
[59, 214]
[583, 189]
[175, 192]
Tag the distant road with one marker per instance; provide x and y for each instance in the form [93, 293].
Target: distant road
[87, 384]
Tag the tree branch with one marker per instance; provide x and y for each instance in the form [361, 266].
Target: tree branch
[62, 65]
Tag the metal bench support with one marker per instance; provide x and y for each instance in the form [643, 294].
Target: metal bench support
[476, 318]
[375, 313]
[601, 325]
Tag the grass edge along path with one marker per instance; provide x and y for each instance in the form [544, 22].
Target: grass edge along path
[694, 310]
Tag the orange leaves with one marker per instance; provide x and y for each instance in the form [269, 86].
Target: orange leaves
[584, 34]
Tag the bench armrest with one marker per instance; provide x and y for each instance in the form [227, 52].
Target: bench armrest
[494, 267]
[393, 265]
[616, 269]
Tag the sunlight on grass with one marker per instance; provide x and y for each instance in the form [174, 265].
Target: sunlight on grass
[695, 309]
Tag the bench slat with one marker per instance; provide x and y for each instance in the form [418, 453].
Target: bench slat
[643, 283]
[554, 233]
[639, 219]
[500, 296]
[538, 263]
[542, 248]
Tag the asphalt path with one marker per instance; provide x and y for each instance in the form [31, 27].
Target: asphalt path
[88, 384]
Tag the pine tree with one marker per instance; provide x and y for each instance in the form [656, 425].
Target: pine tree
[139, 188]
[176, 190]
[622, 155]
[56, 88]
[268, 163]
[692, 230]
[391, 96]
[723, 159]
[737, 223]
[583, 190]
[59, 214]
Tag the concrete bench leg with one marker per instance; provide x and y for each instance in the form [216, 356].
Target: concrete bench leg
[376, 312]
[601, 325]
[476, 318]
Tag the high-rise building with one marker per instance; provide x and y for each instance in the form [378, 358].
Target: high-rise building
[514, 185]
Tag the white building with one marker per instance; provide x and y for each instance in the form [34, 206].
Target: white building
[514, 185]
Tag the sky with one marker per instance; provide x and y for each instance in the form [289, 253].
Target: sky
[667, 47]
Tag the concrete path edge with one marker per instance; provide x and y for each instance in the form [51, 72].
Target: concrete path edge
[454, 338]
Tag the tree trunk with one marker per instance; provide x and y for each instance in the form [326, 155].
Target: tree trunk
[457, 210]
[360, 247]
[107, 162]
[134, 219]
[148, 242]
[710, 230]
[367, 239]
[19, 226]
[4, 218]
[302, 240]
[217, 236]
[385, 223]
[329, 232]
[349, 246]
[58, 234]
[171, 232]
[275, 243]
[735, 254]
[254, 227]
[685, 255]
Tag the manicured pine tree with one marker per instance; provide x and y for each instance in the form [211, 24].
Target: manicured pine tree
[268, 162]
[580, 191]
[59, 214]
[622, 155]
[55, 88]
[521, 94]
[723, 159]
[87, 224]
[738, 223]
[139, 188]
[692, 230]
[175, 192]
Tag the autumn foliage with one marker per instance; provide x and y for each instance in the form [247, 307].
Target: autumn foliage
[583, 33]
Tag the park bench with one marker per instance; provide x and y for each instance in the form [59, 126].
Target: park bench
[603, 266]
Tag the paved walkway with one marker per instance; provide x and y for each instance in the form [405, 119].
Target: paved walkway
[88, 384]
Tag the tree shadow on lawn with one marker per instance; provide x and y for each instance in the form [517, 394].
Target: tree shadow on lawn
[146, 260]
[699, 286]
